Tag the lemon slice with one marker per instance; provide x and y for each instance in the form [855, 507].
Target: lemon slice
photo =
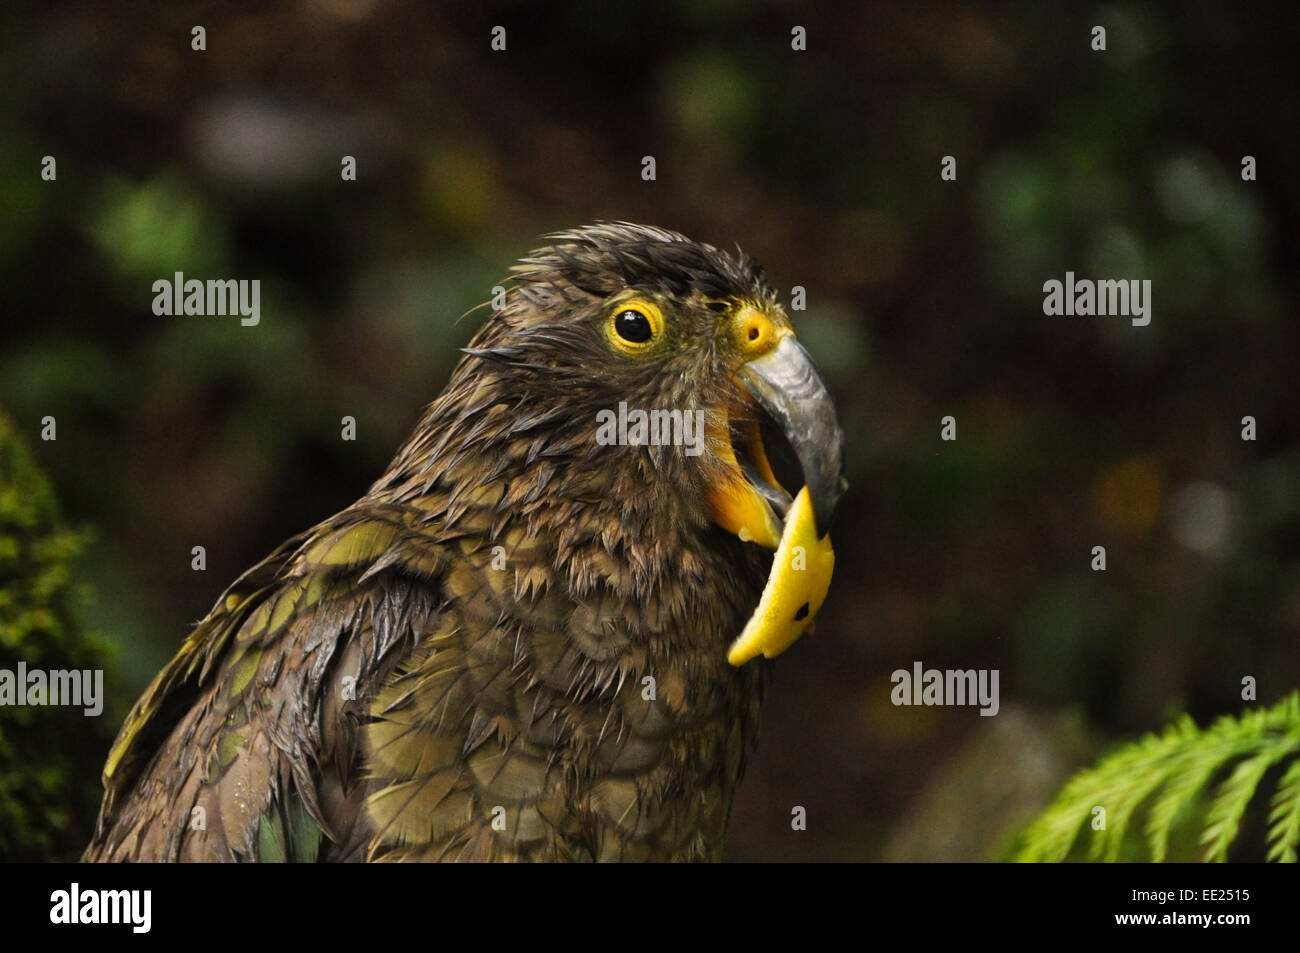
[795, 591]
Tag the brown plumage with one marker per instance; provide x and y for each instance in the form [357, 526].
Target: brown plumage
[513, 646]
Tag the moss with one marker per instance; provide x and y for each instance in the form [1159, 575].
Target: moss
[49, 755]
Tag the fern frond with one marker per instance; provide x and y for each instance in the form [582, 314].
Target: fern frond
[1223, 819]
[1196, 765]
[1118, 785]
[1284, 818]
[1142, 775]
[1170, 771]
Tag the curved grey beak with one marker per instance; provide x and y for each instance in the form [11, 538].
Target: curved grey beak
[786, 383]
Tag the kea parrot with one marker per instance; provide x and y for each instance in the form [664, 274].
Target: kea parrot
[537, 635]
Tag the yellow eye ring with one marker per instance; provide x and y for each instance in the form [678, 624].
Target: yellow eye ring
[635, 325]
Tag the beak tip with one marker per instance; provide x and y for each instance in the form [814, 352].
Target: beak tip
[787, 384]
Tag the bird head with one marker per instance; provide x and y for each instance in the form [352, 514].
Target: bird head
[642, 364]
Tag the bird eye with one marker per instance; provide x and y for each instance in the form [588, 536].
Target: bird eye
[633, 326]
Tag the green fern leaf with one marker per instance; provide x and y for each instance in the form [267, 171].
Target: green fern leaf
[1169, 772]
[1223, 819]
[1193, 772]
[1284, 819]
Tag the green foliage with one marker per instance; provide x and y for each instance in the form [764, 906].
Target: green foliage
[49, 791]
[1169, 778]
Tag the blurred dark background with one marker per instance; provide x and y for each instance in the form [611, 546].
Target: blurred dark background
[924, 300]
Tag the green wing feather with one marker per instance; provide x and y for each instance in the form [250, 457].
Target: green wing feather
[245, 746]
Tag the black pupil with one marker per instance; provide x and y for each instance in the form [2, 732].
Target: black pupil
[633, 326]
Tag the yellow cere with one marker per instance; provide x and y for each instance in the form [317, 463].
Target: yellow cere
[795, 591]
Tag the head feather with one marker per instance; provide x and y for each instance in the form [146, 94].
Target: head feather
[608, 256]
